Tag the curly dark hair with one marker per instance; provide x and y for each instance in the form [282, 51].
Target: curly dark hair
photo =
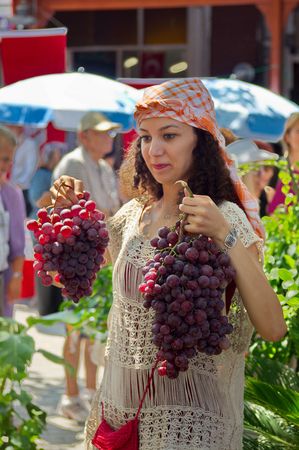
[209, 174]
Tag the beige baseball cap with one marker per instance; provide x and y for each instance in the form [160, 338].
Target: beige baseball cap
[97, 121]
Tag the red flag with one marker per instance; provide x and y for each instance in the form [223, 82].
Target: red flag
[26, 54]
[29, 53]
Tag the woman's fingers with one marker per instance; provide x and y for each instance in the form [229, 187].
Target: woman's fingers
[203, 216]
[192, 209]
[197, 200]
[65, 191]
[58, 199]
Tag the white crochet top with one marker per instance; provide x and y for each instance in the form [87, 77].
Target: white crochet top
[203, 408]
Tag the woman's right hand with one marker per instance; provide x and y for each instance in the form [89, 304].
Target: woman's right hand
[65, 191]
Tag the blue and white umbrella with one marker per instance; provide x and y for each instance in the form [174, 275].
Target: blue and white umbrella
[250, 111]
[64, 98]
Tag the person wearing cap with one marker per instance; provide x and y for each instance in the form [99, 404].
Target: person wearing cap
[246, 151]
[95, 136]
[200, 408]
[86, 162]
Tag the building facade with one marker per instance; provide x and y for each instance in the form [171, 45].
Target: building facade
[255, 40]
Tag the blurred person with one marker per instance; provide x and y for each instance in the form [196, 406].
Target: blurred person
[115, 157]
[290, 143]
[245, 151]
[229, 136]
[268, 176]
[12, 231]
[38, 192]
[25, 162]
[86, 162]
[49, 298]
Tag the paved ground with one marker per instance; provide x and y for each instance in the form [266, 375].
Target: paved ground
[46, 383]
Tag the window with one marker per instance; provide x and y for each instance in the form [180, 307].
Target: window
[125, 43]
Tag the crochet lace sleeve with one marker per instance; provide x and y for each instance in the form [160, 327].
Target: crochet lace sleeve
[116, 226]
[237, 218]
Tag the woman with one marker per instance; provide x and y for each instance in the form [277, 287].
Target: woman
[290, 142]
[12, 232]
[203, 407]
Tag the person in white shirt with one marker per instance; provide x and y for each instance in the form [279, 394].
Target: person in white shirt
[25, 163]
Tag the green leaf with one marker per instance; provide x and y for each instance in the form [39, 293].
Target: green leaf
[67, 316]
[290, 198]
[92, 312]
[285, 274]
[16, 350]
[24, 398]
[265, 430]
[57, 360]
[281, 401]
[292, 250]
[285, 177]
[272, 371]
[289, 284]
[273, 275]
[290, 261]
[294, 302]
[37, 413]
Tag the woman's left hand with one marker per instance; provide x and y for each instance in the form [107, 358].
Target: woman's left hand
[204, 217]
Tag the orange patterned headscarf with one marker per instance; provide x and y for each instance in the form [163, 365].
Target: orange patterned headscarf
[187, 100]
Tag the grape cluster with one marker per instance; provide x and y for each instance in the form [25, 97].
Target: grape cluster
[184, 284]
[70, 241]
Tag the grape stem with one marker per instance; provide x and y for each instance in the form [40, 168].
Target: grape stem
[184, 184]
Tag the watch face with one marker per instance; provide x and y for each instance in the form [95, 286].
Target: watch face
[231, 238]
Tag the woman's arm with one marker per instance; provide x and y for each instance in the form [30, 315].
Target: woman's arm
[260, 300]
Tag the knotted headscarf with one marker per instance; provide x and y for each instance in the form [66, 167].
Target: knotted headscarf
[187, 100]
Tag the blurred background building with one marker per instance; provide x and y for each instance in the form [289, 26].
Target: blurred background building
[257, 41]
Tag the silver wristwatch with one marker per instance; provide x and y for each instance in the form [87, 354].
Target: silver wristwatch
[231, 239]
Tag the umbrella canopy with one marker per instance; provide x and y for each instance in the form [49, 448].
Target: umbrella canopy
[250, 111]
[64, 98]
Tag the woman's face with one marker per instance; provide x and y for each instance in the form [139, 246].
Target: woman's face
[6, 159]
[292, 137]
[167, 147]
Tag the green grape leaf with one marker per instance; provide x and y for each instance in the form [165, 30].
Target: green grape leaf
[285, 275]
[16, 350]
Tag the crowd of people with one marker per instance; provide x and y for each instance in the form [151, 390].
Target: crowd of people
[178, 139]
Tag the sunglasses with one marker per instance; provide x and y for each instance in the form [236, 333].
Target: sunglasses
[112, 133]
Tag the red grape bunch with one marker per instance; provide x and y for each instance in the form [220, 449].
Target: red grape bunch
[184, 284]
[70, 241]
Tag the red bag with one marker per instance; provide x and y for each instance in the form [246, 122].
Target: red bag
[126, 437]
